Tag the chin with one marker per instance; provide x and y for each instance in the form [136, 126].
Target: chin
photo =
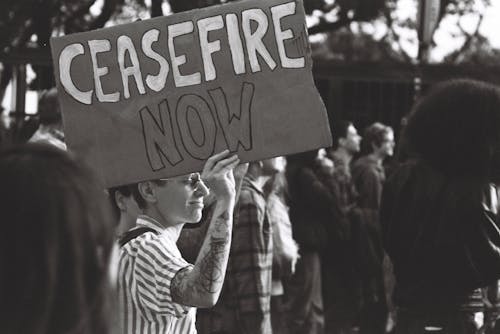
[192, 222]
[194, 218]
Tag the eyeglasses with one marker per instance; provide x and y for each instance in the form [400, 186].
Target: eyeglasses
[193, 180]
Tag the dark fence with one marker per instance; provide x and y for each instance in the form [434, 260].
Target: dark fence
[360, 92]
[365, 93]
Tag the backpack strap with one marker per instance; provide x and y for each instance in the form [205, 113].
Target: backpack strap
[134, 233]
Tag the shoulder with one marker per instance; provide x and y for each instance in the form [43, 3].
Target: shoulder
[361, 162]
[276, 209]
[365, 162]
[306, 174]
[365, 167]
[153, 248]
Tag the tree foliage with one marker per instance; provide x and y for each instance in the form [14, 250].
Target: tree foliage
[399, 40]
[23, 21]
[31, 23]
[343, 12]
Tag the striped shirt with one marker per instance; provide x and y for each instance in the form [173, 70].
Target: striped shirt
[147, 266]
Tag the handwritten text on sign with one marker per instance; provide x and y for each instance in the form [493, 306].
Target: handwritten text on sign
[160, 96]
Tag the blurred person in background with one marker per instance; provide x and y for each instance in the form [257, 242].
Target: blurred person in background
[245, 302]
[369, 176]
[125, 207]
[50, 129]
[126, 210]
[314, 215]
[56, 241]
[158, 290]
[368, 170]
[285, 249]
[247, 299]
[439, 210]
[340, 273]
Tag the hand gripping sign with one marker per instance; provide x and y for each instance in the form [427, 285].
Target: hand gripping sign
[156, 98]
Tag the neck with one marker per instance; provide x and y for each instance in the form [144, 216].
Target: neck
[377, 157]
[254, 174]
[344, 155]
[176, 230]
[176, 227]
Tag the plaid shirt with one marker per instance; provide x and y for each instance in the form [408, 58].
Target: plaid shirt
[250, 261]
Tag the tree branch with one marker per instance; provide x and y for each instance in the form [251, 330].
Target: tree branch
[329, 26]
[390, 24]
[79, 11]
[108, 9]
[453, 57]
[156, 9]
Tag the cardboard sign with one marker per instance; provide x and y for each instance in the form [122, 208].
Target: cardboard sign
[156, 98]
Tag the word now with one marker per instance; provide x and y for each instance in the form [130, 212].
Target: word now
[123, 56]
[193, 110]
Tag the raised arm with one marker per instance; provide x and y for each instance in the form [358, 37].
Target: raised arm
[200, 286]
[191, 240]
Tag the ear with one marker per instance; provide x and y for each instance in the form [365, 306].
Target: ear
[375, 147]
[147, 190]
[341, 142]
[120, 201]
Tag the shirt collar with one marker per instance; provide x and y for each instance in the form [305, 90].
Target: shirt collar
[146, 221]
[249, 182]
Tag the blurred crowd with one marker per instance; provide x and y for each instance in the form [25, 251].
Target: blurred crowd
[360, 237]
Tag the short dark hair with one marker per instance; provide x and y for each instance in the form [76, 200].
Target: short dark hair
[48, 107]
[340, 131]
[132, 189]
[58, 236]
[374, 134]
[456, 127]
[127, 191]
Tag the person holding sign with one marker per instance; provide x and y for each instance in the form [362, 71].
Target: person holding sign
[158, 290]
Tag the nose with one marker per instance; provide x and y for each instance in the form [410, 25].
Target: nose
[202, 190]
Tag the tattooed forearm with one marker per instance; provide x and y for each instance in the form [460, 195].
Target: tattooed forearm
[208, 275]
[213, 263]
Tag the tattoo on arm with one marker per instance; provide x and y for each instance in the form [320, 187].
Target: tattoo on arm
[180, 285]
[210, 266]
